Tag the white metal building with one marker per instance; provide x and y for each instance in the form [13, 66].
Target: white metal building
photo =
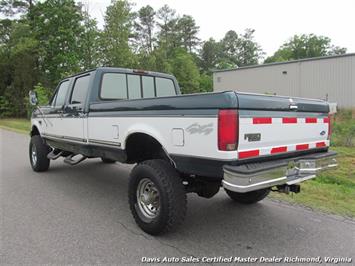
[329, 78]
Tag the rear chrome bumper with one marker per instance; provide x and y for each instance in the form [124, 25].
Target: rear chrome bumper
[255, 176]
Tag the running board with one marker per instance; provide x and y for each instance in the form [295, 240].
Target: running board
[69, 159]
[53, 155]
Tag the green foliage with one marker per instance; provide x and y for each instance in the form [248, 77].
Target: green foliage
[240, 50]
[234, 50]
[167, 36]
[187, 31]
[305, 46]
[162, 62]
[89, 41]
[176, 32]
[5, 59]
[210, 55]
[18, 72]
[343, 129]
[54, 39]
[6, 107]
[144, 28]
[43, 96]
[250, 51]
[57, 27]
[186, 71]
[117, 35]
[206, 83]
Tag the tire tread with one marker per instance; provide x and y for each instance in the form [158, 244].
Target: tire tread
[42, 150]
[172, 185]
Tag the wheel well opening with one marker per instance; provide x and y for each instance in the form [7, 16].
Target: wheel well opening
[141, 147]
[34, 131]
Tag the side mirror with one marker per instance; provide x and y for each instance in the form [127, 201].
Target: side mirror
[33, 98]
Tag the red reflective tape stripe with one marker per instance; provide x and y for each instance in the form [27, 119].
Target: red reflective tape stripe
[262, 120]
[278, 149]
[300, 147]
[247, 154]
[311, 120]
[326, 120]
[320, 144]
[289, 120]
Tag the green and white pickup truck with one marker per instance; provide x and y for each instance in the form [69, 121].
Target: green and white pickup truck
[246, 143]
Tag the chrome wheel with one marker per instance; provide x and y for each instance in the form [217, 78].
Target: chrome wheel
[34, 154]
[148, 199]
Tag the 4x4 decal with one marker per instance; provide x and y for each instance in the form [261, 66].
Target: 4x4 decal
[200, 129]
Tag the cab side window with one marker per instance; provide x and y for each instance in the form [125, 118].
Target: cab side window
[114, 86]
[59, 98]
[165, 87]
[148, 87]
[121, 86]
[80, 90]
[134, 87]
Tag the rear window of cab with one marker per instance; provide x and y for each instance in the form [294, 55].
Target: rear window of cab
[121, 86]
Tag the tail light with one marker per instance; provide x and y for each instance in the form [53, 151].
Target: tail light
[228, 130]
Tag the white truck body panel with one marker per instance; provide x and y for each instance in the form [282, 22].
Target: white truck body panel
[161, 128]
[198, 143]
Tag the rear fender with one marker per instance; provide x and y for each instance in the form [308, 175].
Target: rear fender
[145, 129]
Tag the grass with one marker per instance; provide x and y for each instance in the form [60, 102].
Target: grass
[16, 124]
[332, 191]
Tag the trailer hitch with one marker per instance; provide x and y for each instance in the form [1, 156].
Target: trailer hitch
[295, 188]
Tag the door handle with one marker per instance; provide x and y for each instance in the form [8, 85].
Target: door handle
[293, 107]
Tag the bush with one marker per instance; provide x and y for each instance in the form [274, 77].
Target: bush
[343, 129]
[206, 83]
[6, 107]
[185, 71]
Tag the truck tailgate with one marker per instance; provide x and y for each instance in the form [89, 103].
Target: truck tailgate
[271, 125]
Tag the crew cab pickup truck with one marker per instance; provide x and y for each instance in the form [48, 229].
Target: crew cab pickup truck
[246, 143]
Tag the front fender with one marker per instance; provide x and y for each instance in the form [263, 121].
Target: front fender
[36, 128]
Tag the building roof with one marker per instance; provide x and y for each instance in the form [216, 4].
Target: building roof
[283, 63]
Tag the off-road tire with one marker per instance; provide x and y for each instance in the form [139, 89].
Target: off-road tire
[41, 163]
[172, 196]
[248, 197]
[104, 160]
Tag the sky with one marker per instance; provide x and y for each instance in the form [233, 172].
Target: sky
[274, 21]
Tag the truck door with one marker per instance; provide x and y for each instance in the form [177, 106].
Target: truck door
[72, 123]
[54, 112]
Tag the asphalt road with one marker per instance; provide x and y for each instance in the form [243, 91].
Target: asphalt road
[80, 215]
